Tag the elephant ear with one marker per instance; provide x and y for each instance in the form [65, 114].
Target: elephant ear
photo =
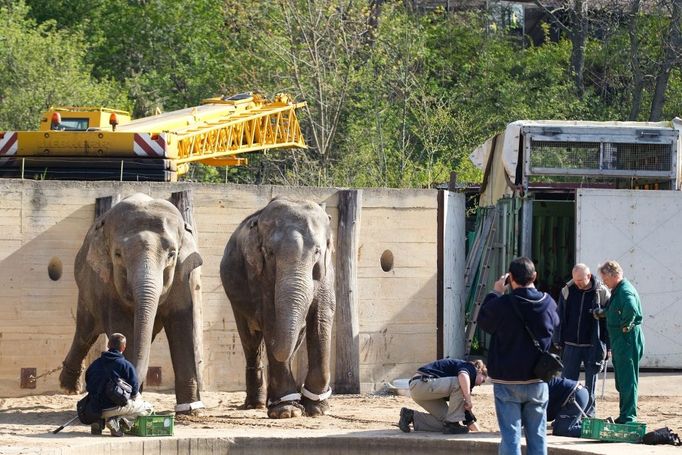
[252, 247]
[188, 257]
[98, 252]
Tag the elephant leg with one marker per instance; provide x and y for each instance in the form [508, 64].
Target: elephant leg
[284, 401]
[85, 336]
[179, 328]
[316, 389]
[252, 343]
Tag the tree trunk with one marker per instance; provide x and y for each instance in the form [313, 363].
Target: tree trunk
[637, 76]
[578, 39]
[670, 59]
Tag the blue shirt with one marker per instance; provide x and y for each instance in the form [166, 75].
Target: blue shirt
[445, 368]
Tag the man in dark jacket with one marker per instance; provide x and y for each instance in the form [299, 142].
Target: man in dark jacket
[444, 388]
[582, 338]
[567, 402]
[112, 365]
[520, 396]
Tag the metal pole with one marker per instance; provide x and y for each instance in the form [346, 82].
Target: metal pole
[121, 170]
[63, 426]
[23, 161]
[603, 381]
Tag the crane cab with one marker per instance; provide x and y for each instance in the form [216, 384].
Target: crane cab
[83, 119]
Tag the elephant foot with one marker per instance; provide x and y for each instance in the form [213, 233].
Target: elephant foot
[250, 405]
[315, 408]
[285, 410]
[69, 380]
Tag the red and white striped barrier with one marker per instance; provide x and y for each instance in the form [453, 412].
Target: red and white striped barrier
[9, 144]
[150, 145]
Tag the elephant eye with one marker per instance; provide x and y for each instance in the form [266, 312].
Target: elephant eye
[117, 254]
[171, 254]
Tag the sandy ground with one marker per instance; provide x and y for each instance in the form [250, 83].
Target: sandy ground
[21, 419]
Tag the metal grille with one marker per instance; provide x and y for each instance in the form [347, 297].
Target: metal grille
[559, 158]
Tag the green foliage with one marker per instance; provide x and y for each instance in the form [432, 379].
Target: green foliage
[395, 98]
[43, 66]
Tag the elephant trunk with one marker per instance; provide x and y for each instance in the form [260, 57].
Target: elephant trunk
[293, 295]
[146, 292]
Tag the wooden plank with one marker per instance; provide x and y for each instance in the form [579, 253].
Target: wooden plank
[347, 377]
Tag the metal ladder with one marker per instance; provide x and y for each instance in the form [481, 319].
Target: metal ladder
[479, 260]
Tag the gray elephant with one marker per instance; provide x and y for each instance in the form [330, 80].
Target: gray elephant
[277, 272]
[138, 271]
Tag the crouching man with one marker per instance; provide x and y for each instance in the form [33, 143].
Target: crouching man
[112, 365]
[568, 401]
[444, 388]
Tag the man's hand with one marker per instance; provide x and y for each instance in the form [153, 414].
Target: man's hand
[500, 283]
[468, 405]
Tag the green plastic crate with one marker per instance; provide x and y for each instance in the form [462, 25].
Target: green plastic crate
[153, 425]
[617, 432]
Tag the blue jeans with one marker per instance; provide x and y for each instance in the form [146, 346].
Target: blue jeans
[518, 405]
[572, 357]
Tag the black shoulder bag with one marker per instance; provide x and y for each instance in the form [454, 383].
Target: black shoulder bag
[548, 365]
[118, 391]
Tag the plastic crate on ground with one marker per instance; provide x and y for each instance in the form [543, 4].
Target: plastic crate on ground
[153, 425]
[617, 432]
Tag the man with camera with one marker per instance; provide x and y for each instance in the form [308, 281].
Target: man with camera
[520, 395]
[112, 366]
[581, 338]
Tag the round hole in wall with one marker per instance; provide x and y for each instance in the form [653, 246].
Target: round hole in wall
[387, 261]
[54, 269]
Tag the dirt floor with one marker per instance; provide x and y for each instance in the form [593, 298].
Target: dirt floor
[660, 404]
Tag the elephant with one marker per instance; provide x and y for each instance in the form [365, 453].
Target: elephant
[139, 271]
[278, 274]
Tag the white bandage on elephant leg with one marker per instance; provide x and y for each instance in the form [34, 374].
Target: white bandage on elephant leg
[189, 406]
[311, 396]
[290, 397]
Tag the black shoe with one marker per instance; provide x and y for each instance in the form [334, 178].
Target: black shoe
[454, 428]
[619, 420]
[97, 427]
[406, 418]
[114, 427]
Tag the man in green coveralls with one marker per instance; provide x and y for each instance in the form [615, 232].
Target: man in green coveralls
[623, 322]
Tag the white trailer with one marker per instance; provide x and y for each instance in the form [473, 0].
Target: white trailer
[590, 192]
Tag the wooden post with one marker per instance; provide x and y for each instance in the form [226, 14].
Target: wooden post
[183, 201]
[102, 205]
[347, 378]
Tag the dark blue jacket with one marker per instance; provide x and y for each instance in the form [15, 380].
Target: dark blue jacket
[578, 325]
[559, 391]
[446, 368]
[512, 355]
[111, 364]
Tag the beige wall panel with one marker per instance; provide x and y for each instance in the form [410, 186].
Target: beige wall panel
[42, 220]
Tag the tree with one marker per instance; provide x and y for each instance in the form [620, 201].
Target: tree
[43, 66]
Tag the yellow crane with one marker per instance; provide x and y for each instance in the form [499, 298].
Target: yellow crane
[90, 143]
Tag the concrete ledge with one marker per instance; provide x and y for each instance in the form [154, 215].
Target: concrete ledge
[290, 442]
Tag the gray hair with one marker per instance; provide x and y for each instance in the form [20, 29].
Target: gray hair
[581, 268]
[117, 341]
[611, 268]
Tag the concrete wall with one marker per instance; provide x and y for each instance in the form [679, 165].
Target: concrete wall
[43, 223]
